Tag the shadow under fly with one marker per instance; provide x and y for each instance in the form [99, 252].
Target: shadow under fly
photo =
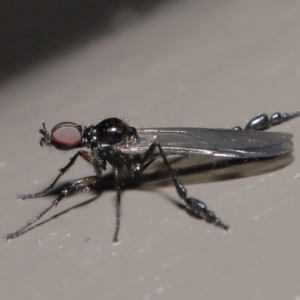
[130, 151]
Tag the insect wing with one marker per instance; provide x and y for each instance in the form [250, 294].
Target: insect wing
[216, 142]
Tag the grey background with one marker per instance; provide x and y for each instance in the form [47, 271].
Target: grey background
[177, 63]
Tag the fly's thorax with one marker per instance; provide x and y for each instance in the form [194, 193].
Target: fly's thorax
[113, 131]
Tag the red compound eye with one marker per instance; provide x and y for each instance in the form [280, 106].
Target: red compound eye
[66, 135]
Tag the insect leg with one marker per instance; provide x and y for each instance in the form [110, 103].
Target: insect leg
[84, 154]
[195, 206]
[263, 121]
[118, 205]
[84, 183]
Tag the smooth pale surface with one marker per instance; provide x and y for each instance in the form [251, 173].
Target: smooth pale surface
[185, 63]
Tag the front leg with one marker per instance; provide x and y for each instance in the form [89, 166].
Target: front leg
[84, 154]
[83, 183]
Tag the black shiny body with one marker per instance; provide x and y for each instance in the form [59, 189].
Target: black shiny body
[130, 151]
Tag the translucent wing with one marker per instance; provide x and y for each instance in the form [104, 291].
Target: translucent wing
[215, 142]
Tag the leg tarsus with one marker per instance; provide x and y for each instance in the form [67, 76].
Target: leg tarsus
[84, 154]
[81, 183]
[197, 207]
[263, 121]
[36, 218]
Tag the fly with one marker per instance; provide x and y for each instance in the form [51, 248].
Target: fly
[131, 150]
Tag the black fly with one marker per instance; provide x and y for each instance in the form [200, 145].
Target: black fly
[131, 150]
